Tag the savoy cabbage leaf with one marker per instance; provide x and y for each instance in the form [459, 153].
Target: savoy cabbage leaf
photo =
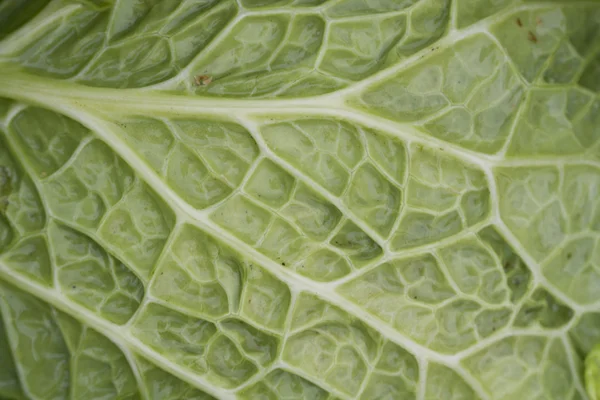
[299, 199]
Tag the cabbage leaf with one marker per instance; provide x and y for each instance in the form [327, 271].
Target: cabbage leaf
[299, 199]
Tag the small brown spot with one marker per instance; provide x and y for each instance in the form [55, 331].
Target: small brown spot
[43, 174]
[202, 80]
[531, 36]
[538, 21]
[519, 22]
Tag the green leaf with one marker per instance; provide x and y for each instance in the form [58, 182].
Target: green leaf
[592, 373]
[300, 199]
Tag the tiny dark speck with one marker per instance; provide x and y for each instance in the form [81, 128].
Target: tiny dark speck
[519, 22]
[74, 286]
[569, 255]
[531, 36]
[283, 264]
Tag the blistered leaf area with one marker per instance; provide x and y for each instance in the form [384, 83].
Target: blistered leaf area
[300, 199]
